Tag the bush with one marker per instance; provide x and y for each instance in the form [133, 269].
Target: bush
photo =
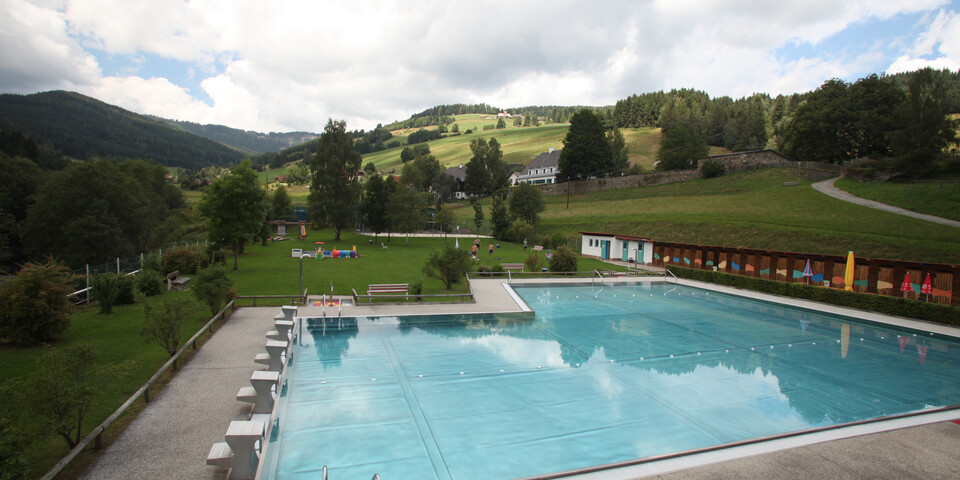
[563, 260]
[519, 231]
[901, 307]
[711, 169]
[126, 294]
[496, 268]
[106, 290]
[164, 323]
[448, 265]
[184, 260]
[484, 268]
[214, 288]
[416, 286]
[150, 282]
[152, 262]
[532, 263]
[35, 304]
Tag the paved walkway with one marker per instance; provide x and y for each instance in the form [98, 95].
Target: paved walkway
[171, 437]
[826, 187]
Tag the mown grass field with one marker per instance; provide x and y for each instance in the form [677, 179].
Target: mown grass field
[751, 210]
[270, 270]
[934, 198]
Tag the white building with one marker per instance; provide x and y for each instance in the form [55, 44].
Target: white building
[542, 170]
[628, 248]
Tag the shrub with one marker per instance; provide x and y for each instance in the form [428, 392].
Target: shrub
[150, 282]
[164, 323]
[711, 169]
[563, 260]
[152, 262]
[497, 268]
[557, 239]
[484, 268]
[214, 288]
[448, 265]
[519, 231]
[184, 260]
[126, 289]
[106, 289]
[35, 304]
[416, 286]
[532, 263]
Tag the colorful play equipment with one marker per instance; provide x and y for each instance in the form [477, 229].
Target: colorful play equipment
[334, 253]
[303, 231]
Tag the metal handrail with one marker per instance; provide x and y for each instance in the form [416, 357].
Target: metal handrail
[675, 280]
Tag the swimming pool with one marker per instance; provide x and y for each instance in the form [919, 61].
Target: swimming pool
[597, 377]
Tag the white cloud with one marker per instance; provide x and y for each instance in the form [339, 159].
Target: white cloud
[941, 41]
[156, 96]
[37, 54]
[292, 64]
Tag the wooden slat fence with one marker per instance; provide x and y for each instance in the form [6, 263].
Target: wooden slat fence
[871, 275]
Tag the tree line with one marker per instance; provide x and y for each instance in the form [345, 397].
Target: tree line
[901, 119]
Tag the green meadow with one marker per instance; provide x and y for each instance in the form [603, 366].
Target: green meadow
[940, 198]
[750, 210]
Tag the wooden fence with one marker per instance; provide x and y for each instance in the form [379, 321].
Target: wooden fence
[872, 275]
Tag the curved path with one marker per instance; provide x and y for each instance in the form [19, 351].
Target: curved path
[827, 188]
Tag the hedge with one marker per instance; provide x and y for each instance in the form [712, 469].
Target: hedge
[901, 307]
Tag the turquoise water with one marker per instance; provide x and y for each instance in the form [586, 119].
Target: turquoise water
[634, 372]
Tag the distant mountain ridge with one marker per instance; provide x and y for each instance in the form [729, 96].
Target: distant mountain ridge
[85, 128]
[248, 141]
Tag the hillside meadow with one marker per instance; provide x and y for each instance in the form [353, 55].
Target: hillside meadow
[750, 210]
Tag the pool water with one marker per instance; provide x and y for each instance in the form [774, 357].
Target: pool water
[598, 376]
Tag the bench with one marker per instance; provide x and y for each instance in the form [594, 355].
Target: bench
[387, 288]
[175, 281]
[512, 266]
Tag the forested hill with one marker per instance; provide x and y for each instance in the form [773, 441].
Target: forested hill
[85, 128]
[245, 140]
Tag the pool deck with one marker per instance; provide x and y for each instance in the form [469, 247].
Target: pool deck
[171, 437]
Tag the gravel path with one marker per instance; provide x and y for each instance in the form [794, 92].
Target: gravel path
[827, 188]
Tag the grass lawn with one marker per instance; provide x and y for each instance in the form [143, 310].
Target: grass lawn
[270, 270]
[933, 198]
[750, 210]
[116, 338]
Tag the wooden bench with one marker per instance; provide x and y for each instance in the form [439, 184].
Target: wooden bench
[175, 281]
[387, 288]
[512, 266]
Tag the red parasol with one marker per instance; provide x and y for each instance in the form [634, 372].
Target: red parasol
[927, 286]
[907, 285]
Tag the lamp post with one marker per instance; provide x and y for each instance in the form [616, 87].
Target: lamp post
[300, 292]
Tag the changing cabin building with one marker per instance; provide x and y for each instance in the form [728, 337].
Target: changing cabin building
[606, 246]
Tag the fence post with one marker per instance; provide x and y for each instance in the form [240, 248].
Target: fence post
[118, 265]
[141, 260]
[88, 284]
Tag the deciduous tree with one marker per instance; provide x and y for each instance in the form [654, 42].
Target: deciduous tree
[335, 190]
[235, 209]
[448, 265]
[526, 203]
[63, 386]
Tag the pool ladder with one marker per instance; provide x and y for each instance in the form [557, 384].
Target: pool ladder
[376, 476]
[593, 280]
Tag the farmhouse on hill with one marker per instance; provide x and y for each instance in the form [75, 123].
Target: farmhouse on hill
[459, 174]
[542, 170]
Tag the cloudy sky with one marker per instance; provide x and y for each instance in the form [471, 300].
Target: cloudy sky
[284, 65]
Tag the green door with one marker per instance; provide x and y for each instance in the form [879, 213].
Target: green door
[604, 249]
[626, 251]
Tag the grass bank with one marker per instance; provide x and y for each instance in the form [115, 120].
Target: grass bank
[933, 198]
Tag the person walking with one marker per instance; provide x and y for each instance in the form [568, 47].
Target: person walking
[524, 244]
[491, 250]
